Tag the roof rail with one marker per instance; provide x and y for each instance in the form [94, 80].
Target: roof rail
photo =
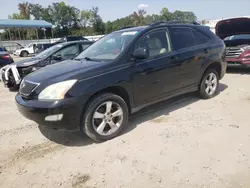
[173, 22]
[126, 27]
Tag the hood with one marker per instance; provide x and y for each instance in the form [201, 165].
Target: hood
[65, 70]
[235, 26]
[27, 62]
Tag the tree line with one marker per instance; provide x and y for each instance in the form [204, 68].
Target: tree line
[69, 20]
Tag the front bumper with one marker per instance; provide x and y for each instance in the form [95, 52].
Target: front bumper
[68, 112]
[238, 62]
[10, 76]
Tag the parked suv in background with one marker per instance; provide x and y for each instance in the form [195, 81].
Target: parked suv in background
[236, 35]
[122, 73]
[71, 38]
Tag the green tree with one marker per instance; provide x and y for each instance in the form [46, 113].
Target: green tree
[70, 20]
[24, 9]
[86, 16]
[184, 16]
[138, 17]
[166, 15]
[96, 21]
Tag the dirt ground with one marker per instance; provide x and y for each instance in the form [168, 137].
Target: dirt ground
[181, 143]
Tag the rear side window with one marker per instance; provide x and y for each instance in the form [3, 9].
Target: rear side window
[199, 37]
[182, 37]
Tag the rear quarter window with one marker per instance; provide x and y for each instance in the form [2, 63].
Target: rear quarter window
[206, 31]
[199, 37]
[182, 37]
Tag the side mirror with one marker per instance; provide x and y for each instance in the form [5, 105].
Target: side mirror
[140, 53]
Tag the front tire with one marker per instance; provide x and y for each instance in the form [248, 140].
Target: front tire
[209, 84]
[105, 116]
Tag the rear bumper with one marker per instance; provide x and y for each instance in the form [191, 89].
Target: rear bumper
[62, 115]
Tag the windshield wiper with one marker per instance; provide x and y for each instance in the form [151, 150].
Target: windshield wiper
[88, 59]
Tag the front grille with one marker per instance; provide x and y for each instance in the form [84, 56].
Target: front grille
[233, 52]
[27, 87]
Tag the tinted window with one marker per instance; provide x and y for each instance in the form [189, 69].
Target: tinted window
[68, 52]
[199, 38]
[49, 51]
[182, 37]
[156, 42]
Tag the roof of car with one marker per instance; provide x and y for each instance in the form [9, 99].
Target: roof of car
[74, 42]
[138, 28]
[158, 24]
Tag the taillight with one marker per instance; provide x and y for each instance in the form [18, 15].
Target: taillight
[6, 57]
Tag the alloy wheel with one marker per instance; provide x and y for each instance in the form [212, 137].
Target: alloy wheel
[107, 118]
[211, 83]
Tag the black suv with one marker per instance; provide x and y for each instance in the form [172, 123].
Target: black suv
[120, 74]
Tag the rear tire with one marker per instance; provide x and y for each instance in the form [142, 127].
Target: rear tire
[24, 54]
[105, 116]
[209, 84]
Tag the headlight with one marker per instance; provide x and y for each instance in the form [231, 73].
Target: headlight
[56, 91]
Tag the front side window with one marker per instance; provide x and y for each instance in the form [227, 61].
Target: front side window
[109, 47]
[49, 51]
[156, 42]
[182, 37]
[68, 52]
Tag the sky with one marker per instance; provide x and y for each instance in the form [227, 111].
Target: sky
[113, 9]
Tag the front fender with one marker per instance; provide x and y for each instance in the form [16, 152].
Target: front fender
[90, 86]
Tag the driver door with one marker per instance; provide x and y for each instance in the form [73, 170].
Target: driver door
[158, 75]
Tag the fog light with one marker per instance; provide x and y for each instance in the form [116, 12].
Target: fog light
[57, 117]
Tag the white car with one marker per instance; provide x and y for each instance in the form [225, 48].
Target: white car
[27, 50]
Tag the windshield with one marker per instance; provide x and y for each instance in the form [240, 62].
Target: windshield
[238, 37]
[108, 47]
[49, 51]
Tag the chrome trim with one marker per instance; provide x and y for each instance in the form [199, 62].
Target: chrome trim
[232, 52]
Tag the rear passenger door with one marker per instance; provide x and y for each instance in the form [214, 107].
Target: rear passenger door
[191, 54]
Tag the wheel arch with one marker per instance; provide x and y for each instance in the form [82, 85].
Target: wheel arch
[117, 90]
[23, 52]
[216, 65]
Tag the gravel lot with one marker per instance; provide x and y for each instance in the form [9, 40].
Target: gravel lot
[185, 142]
